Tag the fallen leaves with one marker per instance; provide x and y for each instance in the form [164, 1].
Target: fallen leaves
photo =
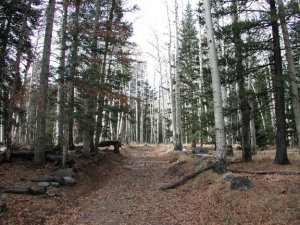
[124, 190]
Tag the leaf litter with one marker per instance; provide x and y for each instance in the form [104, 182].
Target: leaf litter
[125, 190]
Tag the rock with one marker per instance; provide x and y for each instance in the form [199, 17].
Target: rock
[199, 150]
[2, 207]
[229, 176]
[37, 190]
[3, 197]
[69, 181]
[43, 184]
[241, 183]
[54, 184]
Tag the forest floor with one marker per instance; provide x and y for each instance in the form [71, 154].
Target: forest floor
[125, 190]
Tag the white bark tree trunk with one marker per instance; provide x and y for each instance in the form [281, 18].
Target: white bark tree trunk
[216, 85]
[136, 107]
[178, 136]
[173, 113]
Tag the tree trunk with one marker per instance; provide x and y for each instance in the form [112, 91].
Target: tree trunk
[39, 151]
[291, 67]
[136, 106]
[178, 135]
[100, 102]
[73, 72]
[242, 92]
[62, 69]
[4, 97]
[89, 117]
[217, 96]
[278, 85]
[173, 113]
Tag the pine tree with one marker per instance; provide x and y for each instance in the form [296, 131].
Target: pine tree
[188, 60]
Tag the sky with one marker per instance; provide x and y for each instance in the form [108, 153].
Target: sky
[150, 19]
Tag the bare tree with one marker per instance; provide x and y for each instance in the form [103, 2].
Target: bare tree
[178, 135]
[216, 85]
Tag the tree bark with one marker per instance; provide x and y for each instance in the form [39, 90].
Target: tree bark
[281, 157]
[242, 92]
[171, 86]
[178, 135]
[291, 68]
[217, 96]
[62, 71]
[40, 149]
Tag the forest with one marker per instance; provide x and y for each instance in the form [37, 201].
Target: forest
[69, 75]
[227, 76]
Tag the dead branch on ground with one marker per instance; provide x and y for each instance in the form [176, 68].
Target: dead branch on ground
[281, 172]
[185, 178]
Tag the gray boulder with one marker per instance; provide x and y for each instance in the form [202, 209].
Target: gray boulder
[241, 183]
[69, 181]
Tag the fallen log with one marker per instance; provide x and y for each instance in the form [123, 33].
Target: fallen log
[116, 145]
[22, 153]
[44, 179]
[24, 190]
[281, 172]
[185, 178]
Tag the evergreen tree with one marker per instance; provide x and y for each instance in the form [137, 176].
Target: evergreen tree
[18, 19]
[188, 60]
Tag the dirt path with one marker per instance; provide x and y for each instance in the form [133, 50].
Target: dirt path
[125, 191]
[131, 195]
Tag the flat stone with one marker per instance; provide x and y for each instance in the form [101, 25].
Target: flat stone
[241, 183]
[54, 184]
[43, 184]
[69, 181]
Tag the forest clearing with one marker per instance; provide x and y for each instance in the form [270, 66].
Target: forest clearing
[125, 189]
